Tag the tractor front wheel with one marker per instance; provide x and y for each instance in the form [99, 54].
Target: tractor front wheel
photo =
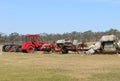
[30, 49]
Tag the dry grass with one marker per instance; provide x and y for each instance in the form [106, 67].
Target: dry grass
[58, 67]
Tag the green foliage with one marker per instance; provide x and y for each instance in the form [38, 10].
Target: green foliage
[88, 36]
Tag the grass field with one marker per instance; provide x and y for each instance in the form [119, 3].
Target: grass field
[59, 67]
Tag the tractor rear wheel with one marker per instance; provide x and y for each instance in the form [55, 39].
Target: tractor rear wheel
[30, 49]
[64, 51]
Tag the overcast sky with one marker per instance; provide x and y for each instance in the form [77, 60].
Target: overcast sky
[58, 16]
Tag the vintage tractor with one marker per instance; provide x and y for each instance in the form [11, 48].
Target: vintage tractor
[67, 45]
[30, 45]
[108, 44]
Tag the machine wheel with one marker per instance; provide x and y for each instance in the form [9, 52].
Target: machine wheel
[30, 49]
[3, 48]
[8, 48]
[19, 49]
[64, 51]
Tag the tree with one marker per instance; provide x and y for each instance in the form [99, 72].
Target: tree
[14, 37]
[88, 36]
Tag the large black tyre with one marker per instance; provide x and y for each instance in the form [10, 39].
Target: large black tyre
[64, 51]
[3, 48]
[30, 49]
[19, 49]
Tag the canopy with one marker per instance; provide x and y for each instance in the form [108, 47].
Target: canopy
[108, 38]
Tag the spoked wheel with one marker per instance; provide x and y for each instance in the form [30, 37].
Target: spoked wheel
[10, 48]
[30, 49]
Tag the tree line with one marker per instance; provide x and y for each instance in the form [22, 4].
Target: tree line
[88, 36]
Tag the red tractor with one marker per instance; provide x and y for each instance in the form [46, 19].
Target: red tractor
[30, 45]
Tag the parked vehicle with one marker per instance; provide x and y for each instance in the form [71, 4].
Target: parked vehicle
[108, 44]
[30, 45]
[67, 45]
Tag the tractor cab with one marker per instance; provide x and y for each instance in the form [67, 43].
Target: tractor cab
[32, 38]
[31, 42]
